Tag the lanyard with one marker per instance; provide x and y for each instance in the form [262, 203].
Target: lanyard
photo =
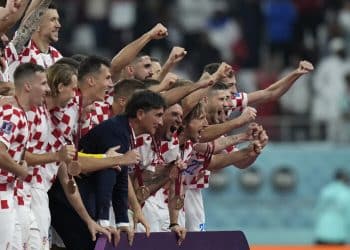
[179, 179]
[138, 171]
[71, 183]
[78, 134]
[156, 149]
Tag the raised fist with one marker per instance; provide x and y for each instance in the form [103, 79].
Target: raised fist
[305, 67]
[158, 32]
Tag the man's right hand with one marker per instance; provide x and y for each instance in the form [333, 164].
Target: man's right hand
[12, 6]
[176, 167]
[168, 81]
[95, 228]
[158, 32]
[248, 115]
[22, 170]
[180, 233]
[66, 153]
[223, 71]
[131, 157]
[177, 54]
[116, 234]
[138, 217]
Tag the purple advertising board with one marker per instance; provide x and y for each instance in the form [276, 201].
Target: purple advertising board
[226, 240]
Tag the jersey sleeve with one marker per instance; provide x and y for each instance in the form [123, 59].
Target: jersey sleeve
[10, 124]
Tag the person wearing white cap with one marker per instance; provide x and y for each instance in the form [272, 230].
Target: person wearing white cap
[329, 84]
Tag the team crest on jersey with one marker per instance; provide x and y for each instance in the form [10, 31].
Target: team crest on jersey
[6, 127]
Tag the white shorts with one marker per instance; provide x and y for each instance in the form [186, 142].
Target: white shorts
[10, 229]
[157, 217]
[29, 228]
[194, 210]
[7, 229]
[41, 211]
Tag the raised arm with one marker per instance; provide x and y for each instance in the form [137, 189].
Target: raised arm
[190, 101]
[176, 55]
[174, 95]
[223, 142]
[263, 139]
[213, 132]
[130, 51]
[279, 88]
[30, 23]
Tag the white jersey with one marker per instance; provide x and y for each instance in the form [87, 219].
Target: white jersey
[66, 119]
[144, 146]
[30, 53]
[196, 173]
[14, 135]
[239, 101]
[43, 139]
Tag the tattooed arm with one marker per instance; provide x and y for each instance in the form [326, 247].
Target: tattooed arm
[221, 143]
[153, 180]
[156, 180]
[30, 23]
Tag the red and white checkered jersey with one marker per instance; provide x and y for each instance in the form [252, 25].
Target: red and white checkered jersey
[42, 140]
[160, 198]
[187, 151]
[66, 119]
[170, 150]
[100, 112]
[239, 101]
[148, 155]
[196, 174]
[30, 53]
[109, 97]
[14, 135]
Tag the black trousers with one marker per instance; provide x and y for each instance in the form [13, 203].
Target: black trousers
[67, 222]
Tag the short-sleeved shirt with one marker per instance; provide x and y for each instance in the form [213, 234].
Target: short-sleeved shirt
[196, 173]
[170, 151]
[148, 155]
[66, 119]
[43, 139]
[30, 53]
[14, 134]
[101, 112]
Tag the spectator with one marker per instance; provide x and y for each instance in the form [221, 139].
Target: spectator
[329, 85]
[333, 212]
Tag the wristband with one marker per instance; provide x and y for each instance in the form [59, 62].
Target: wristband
[173, 225]
[96, 156]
